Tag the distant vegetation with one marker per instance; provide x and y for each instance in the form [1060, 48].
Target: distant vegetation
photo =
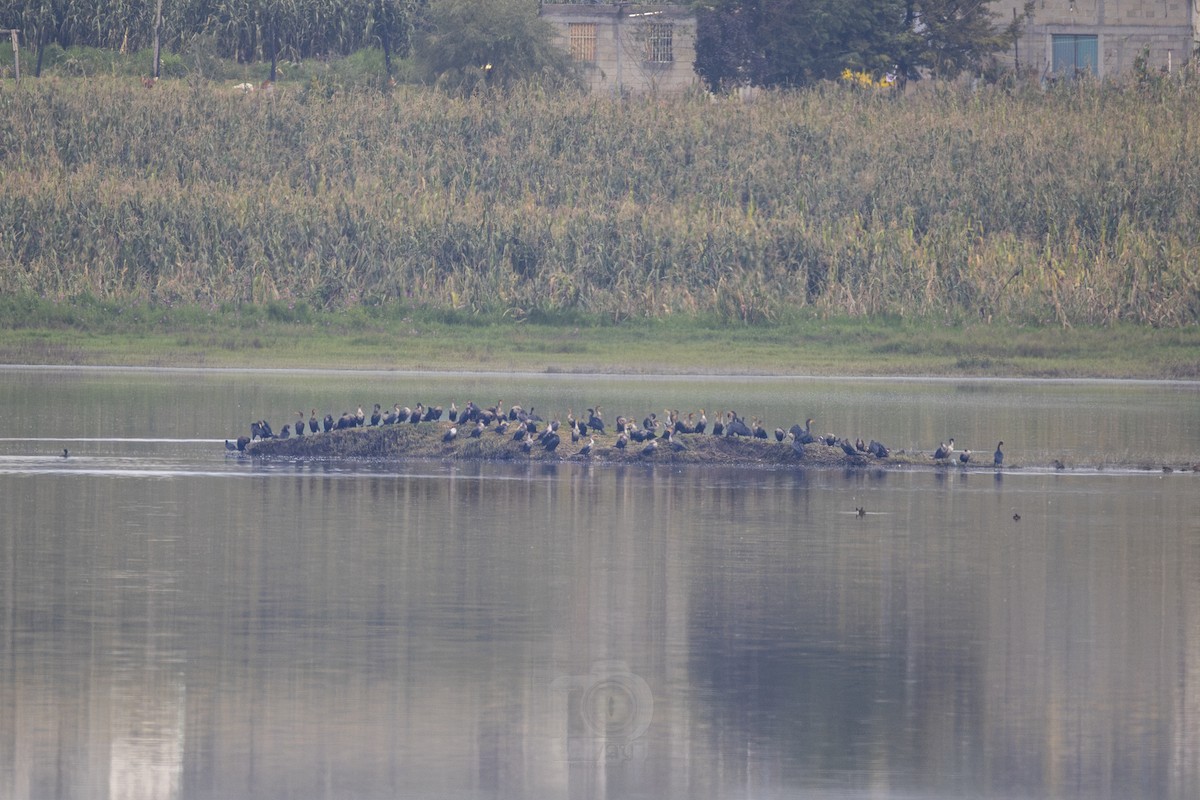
[1072, 206]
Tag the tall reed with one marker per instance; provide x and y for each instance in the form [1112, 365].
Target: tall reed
[1074, 206]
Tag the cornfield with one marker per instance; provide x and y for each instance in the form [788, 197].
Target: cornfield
[1075, 206]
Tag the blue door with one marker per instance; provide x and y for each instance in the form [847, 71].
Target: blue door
[1075, 55]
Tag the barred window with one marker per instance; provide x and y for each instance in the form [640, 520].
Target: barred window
[660, 42]
[582, 38]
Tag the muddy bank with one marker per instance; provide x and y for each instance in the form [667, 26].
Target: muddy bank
[426, 441]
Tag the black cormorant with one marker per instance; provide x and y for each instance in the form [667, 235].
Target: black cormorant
[998, 456]
[944, 451]
[450, 435]
[313, 425]
[965, 456]
[393, 416]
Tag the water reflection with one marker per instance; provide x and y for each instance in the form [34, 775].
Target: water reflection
[224, 629]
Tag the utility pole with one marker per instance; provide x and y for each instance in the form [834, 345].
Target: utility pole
[157, 29]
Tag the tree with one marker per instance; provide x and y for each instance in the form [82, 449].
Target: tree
[953, 36]
[796, 42]
[472, 43]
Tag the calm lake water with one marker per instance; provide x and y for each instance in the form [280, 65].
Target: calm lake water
[179, 623]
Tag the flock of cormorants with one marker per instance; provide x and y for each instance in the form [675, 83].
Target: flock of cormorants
[531, 430]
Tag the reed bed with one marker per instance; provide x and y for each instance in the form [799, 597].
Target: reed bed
[1074, 206]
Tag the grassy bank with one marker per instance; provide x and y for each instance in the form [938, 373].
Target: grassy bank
[1075, 207]
[36, 331]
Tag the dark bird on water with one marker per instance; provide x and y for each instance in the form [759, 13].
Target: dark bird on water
[860, 511]
[228, 446]
[67, 454]
[965, 456]
[1016, 517]
[242, 441]
[998, 456]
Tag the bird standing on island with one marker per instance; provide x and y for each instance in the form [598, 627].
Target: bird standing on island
[998, 456]
[944, 451]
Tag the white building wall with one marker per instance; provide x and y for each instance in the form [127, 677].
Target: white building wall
[620, 64]
[1167, 29]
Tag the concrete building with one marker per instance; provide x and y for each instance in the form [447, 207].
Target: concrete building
[1103, 37]
[627, 47]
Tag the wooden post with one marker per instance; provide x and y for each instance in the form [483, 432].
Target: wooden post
[13, 32]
